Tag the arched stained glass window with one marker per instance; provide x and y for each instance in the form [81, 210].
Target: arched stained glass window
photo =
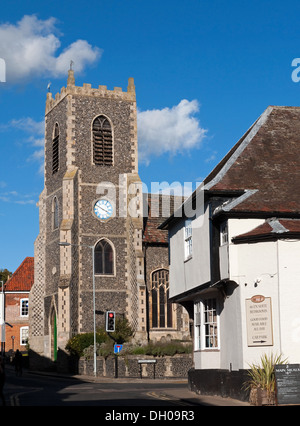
[161, 307]
[55, 149]
[104, 258]
[102, 141]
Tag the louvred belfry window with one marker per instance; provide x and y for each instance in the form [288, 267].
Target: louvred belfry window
[102, 142]
[55, 150]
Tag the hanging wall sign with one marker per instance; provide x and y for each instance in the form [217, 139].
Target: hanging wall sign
[259, 321]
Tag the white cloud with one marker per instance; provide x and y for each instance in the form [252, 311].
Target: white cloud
[169, 130]
[29, 125]
[30, 47]
[16, 198]
[35, 130]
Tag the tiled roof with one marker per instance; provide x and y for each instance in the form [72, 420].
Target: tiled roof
[264, 165]
[22, 279]
[157, 208]
[272, 229]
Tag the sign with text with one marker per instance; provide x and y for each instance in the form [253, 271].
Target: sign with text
[287, 378]
[259, 321]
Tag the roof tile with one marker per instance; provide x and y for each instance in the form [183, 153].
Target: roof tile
[23, 277]
[266, 159]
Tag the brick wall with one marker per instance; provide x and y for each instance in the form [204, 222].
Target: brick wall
[13, 317]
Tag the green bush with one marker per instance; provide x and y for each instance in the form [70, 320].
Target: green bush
[136, 350]
[167, 349]
[78, 343]
[263, 375]
[160, 349]
[82, 344]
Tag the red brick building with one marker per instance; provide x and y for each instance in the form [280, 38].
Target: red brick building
[17, 290]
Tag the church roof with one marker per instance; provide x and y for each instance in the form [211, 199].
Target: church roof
[263, 168]
[23, 277]
[157, 208]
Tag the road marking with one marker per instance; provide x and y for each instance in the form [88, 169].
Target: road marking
[78, 387]
[172, 399]
[14, 399]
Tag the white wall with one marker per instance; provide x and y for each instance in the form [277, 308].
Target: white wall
[231, 349]
[257, 262]
[188, 274]
[289, 298]
[271, 269]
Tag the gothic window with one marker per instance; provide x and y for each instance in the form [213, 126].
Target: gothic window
[55, 211]
[161, 307]
[55, 150]
[102, 142]
[104, 258]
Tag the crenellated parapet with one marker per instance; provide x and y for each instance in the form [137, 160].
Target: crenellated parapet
[88, 90]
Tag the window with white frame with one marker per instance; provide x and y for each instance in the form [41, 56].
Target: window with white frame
[24, 336]
[206, 324]
[188, 239]
[24, 307]
[224, 233]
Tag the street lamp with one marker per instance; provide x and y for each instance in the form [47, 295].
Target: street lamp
[65, 244]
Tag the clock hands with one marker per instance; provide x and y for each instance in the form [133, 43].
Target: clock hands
[102, 208]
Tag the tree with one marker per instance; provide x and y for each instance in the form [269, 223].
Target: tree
[4, 275]
[123, 332]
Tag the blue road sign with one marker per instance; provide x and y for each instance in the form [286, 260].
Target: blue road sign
[118, 348]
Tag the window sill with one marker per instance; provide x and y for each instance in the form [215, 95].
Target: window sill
[105, 275]
[207, 350]
[162, 329]
[188, 258]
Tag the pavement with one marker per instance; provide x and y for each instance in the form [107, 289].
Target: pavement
[182, 396]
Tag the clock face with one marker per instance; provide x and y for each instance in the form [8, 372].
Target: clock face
[103, 209]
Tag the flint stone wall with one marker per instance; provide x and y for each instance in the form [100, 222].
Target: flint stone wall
[177, 366]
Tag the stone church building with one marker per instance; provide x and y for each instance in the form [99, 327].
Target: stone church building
[92, 200]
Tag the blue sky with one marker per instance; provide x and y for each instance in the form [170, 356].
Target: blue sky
[210, 67]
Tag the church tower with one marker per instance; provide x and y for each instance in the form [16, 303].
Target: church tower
[91, 202]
